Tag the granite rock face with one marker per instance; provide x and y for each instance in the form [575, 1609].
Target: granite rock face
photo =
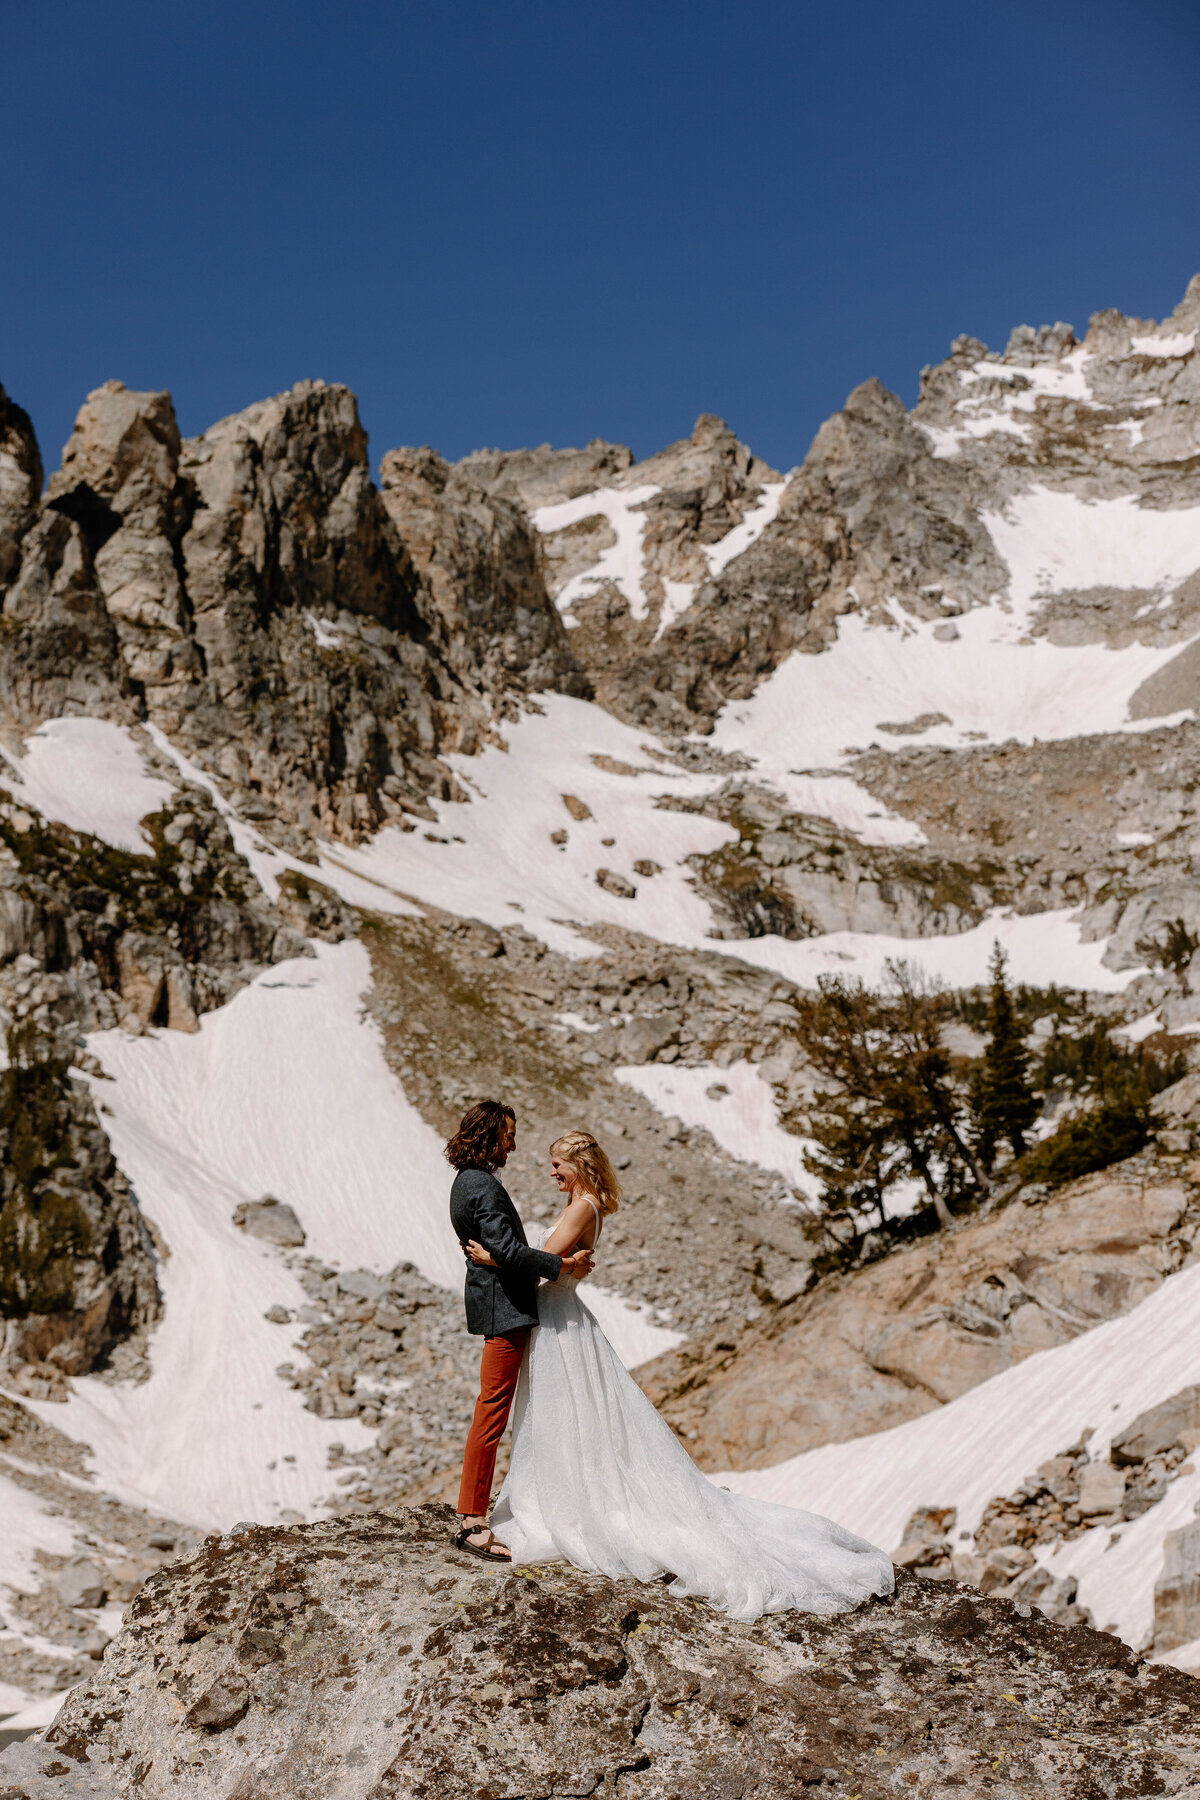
[367, 1658]
[77, 1266]
[900, 1337]
[20, 481]
[479, 563]
[249, 592]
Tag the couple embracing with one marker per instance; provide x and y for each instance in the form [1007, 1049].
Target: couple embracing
[596, 1476]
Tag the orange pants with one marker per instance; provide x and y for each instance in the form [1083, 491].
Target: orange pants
[499, 1367]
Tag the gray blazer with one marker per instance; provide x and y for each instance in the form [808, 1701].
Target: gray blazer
[504, 1298]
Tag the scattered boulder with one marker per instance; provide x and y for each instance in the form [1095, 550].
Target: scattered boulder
[926, 1546]
[1159, 1429]
[643, 1038]
[614, 883]
[271, 1220]
[81, 1582]
[1101, 1489]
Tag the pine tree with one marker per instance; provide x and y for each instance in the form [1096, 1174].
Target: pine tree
[1002, 1099]
[893, 1110]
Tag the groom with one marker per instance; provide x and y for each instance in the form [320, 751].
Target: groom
[501, 1302]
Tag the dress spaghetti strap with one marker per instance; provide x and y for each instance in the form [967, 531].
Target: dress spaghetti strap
[599, 1221]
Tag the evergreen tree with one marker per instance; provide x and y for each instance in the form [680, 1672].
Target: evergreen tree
[1002, 1099]
[893, 1109]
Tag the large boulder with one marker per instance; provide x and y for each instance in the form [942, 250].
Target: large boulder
[1159, 1428]
[273, 1221]
[365, 1658]
[1177, 1590]
[899, 1337]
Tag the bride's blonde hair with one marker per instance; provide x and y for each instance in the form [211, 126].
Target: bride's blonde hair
[580, 1149]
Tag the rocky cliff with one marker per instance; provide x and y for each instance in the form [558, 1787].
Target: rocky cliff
[367, 1658]
[248, 591]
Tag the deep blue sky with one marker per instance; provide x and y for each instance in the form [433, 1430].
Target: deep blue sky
[509, 223]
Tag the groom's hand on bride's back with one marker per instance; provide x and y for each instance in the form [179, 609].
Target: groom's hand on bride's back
[580, 1264]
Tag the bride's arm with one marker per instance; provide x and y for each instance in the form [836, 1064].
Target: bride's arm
[570, 1228]
[561, 1242]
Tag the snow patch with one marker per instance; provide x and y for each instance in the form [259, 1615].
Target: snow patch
[1064, 380]
[29, 1526]
[721, 554]
[948, 440]
[325, 631]
[1140, 1029]
[622, 563]
[1181, 343]
[37, 1715]
[88, 774]
[744, 1119]
[633, 1331]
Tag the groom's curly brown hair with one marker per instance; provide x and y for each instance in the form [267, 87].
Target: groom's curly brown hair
[477, 1142]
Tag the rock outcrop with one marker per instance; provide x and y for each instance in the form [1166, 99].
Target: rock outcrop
[367, 1658]
[95, 937]
[900, 1337]
[479, 563]
[249, 592]
[77, 1267]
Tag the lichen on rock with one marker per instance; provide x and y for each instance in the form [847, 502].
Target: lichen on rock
[367, 1658]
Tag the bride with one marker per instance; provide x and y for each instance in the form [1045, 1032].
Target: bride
[599, 1478]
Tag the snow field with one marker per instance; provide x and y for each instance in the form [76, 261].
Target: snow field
[1057, 543]
[284, 1091]
[88, 774]
[988, 1440]
[744, 1120]
[492, 859]
[993, 683]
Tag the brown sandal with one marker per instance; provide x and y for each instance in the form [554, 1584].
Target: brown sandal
[483, 1550]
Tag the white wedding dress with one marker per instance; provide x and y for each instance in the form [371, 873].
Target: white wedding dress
[599, 1478]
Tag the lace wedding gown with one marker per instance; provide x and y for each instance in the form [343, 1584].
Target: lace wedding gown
[599, 1478]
